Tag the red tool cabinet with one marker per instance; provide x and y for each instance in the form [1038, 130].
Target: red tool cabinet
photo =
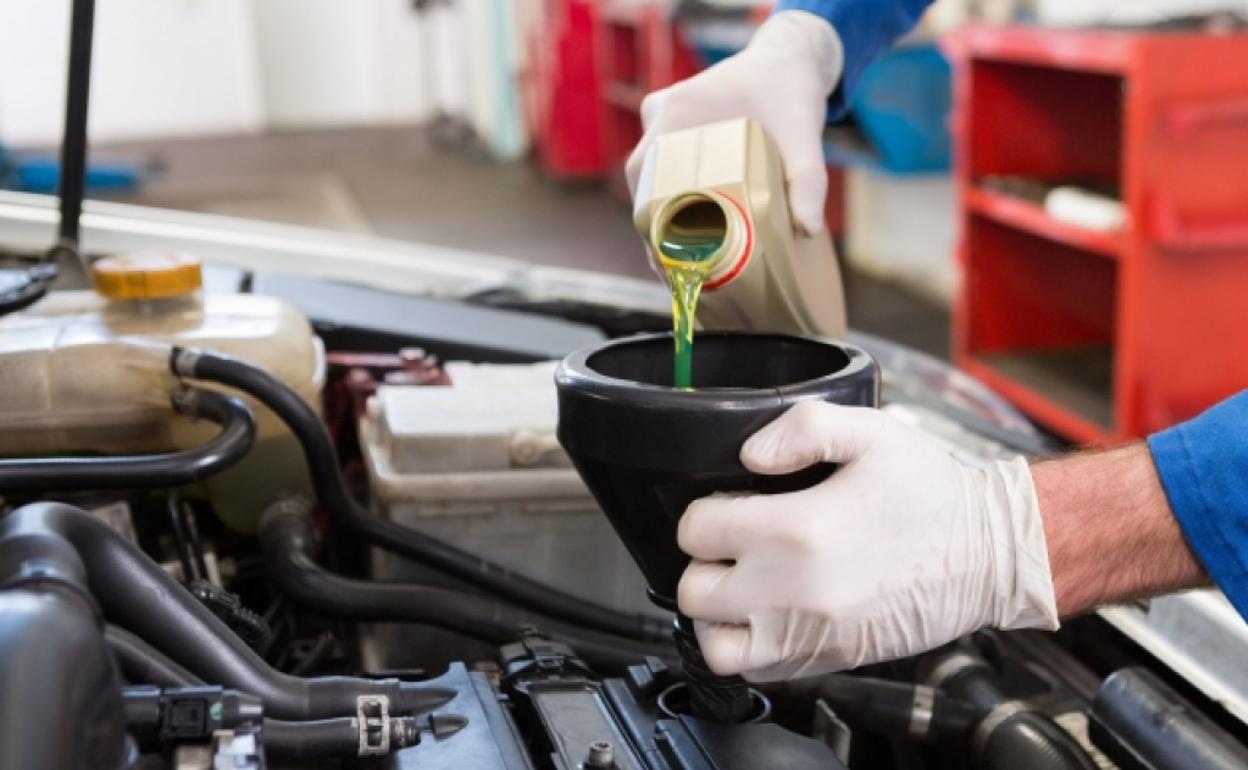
[1104, 336]
[563, 89]
[590, 64]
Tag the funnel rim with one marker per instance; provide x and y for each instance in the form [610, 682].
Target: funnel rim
[576, 367]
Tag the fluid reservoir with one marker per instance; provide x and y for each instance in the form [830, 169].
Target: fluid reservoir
[73, 383]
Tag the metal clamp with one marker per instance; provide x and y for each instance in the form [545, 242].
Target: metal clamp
[921, 711]
[951, 665]
[373, 716]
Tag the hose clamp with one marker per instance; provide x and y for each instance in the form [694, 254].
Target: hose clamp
[953, 664]
[921, 712]
[184, 361]
[991, 721]
[373, 717]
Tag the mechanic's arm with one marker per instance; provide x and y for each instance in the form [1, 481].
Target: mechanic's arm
[904, 548]
[1110, 533]
[807, 51]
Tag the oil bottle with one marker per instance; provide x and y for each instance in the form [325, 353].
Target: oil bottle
[712, 208]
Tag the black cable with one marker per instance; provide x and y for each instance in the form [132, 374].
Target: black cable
[417, 546]
[289, 545]
[189, 524]
[135, 593]
[173, 506]
[315, 654]
[174, 469]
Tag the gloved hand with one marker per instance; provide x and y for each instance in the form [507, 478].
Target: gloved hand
[782, 79]
[902, 549]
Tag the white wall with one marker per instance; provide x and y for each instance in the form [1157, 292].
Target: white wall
[160, 68]
[194, 67]
[903, 228]
[330, 62]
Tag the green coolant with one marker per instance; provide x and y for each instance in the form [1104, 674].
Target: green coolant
[686, 249]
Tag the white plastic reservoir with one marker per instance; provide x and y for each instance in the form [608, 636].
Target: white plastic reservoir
[75, 380]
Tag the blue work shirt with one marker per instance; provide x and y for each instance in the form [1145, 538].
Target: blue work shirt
[1203, 465]
[865, 27]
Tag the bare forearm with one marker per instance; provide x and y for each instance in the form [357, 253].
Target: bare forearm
[1110, 533]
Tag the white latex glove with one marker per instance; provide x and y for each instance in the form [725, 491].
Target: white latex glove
[901, 550]
[782, 79]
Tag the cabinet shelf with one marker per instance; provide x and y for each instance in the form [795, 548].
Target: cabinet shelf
[1069, 389]
[1102, 51]
[1094, 333]
[1023, 214]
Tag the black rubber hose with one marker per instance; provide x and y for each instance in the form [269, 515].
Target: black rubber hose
[137, 594]
[896, 709]
[417, 546]
[329, 737]
[1030, 740]
[289, 546]
[336, 737]
[141, 663]
[238, 432]
[1008, 735]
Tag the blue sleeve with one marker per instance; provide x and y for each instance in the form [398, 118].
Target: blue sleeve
[1203, 465]
[865, 27]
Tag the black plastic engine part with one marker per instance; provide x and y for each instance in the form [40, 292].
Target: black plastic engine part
[332, 493]
[646, 450]
[160, 718]
[177, 624]
[238, 432]
[567, 713]
[1143, 724]
[250, 626]
[289, 544]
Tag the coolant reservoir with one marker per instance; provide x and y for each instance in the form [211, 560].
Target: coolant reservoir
[73, 384]
[726, 178]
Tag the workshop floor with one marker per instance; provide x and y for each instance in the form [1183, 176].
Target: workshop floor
[410, 184]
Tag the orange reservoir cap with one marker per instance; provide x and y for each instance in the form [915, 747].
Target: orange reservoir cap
[146, 276]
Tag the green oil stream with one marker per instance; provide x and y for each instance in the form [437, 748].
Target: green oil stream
[686, 252]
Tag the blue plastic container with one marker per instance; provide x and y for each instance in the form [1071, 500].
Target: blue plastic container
[902, 105]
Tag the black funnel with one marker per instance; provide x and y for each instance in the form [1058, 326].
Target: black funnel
[646, 450]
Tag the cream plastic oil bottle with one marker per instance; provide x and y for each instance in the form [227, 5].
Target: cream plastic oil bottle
[712, 208]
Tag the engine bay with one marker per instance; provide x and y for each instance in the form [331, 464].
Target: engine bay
[232, 538]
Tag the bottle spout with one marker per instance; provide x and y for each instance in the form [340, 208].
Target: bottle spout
[704, 229]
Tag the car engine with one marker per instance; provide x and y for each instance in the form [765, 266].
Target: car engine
[232, 538]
